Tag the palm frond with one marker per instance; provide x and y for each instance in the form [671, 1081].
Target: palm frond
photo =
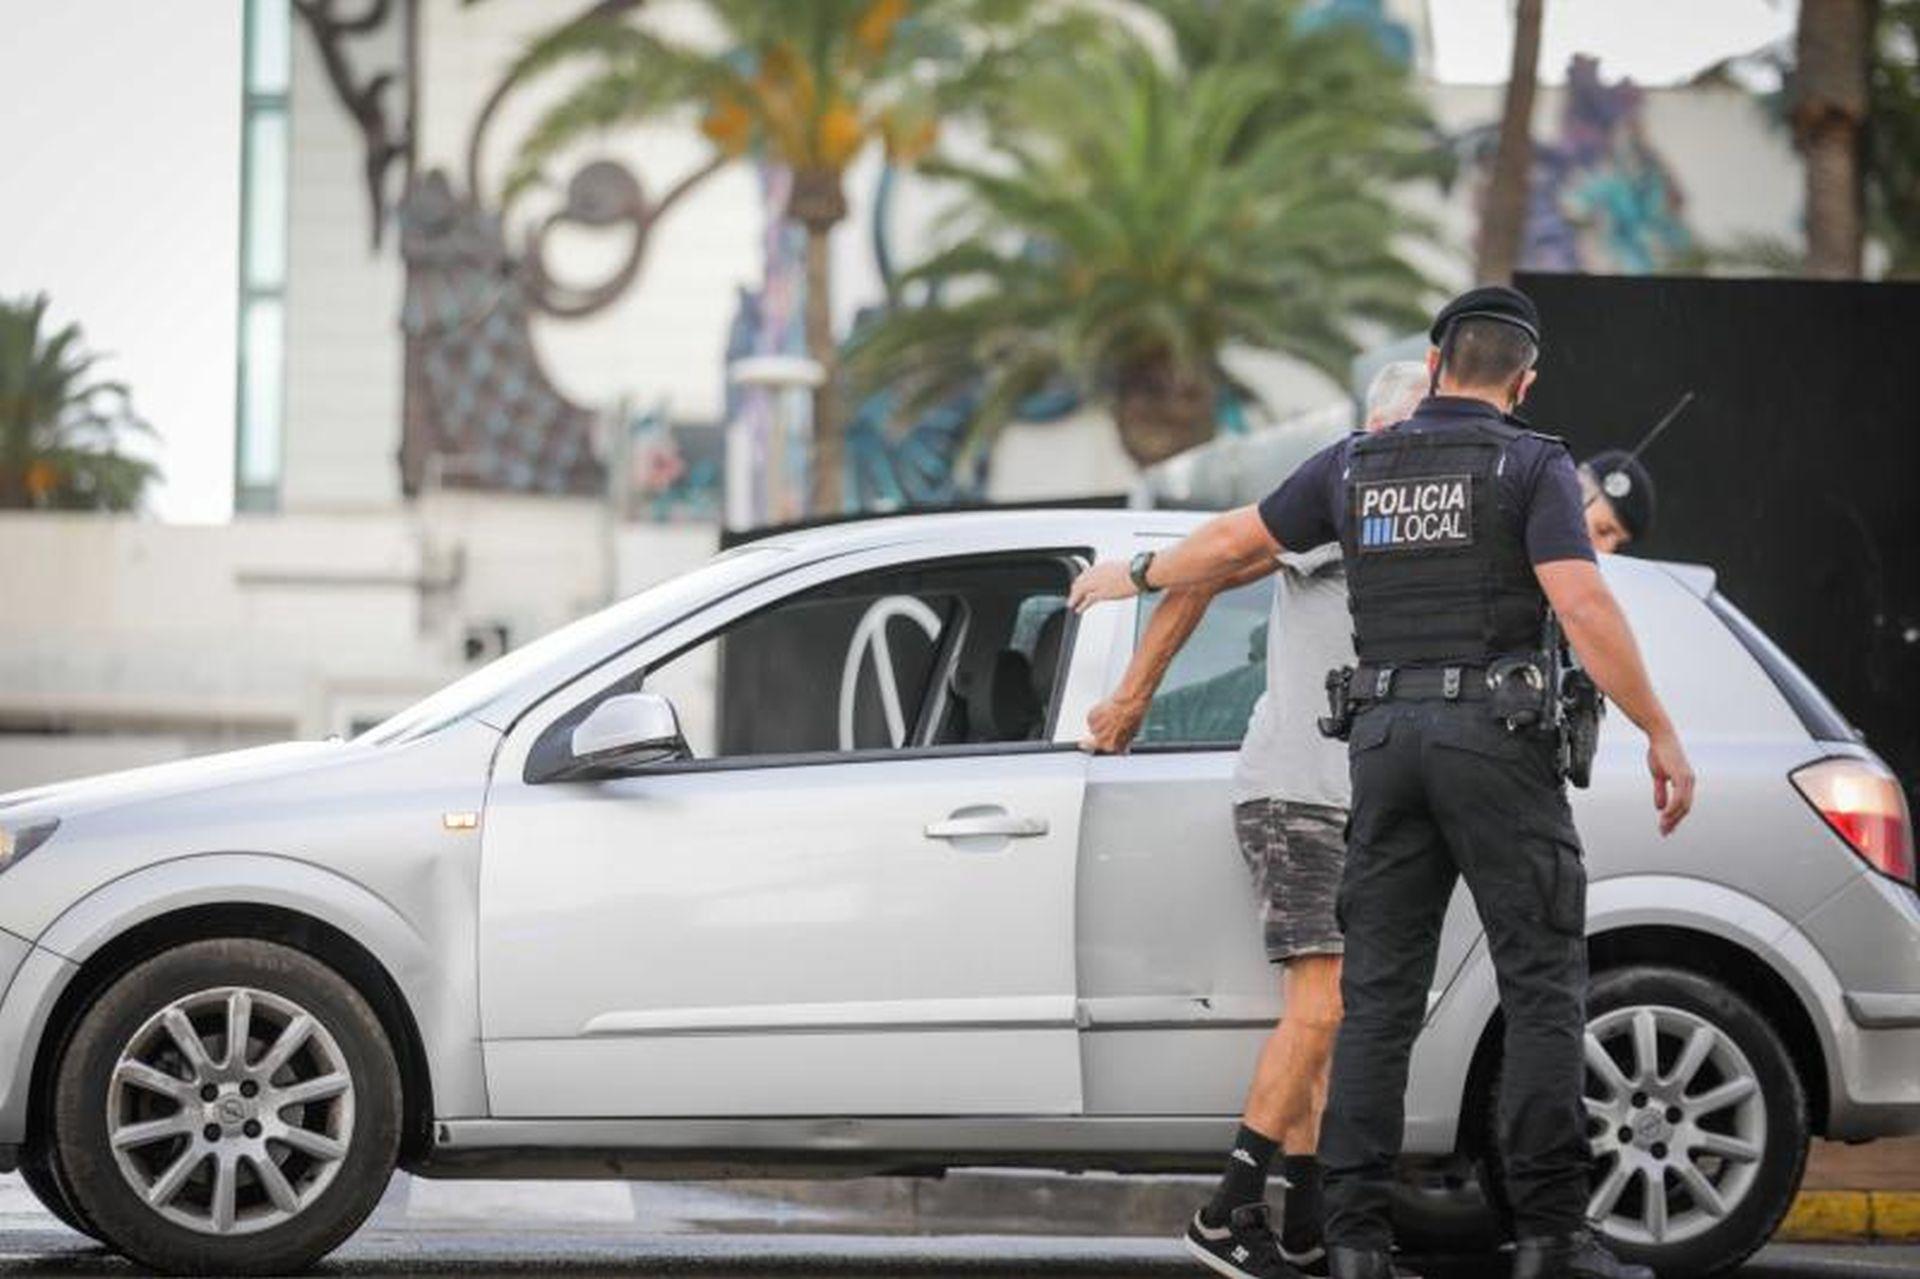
[1139, 213]
[61, 426]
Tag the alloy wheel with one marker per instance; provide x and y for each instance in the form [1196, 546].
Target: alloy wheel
[230, 1110]
[1677, 1122]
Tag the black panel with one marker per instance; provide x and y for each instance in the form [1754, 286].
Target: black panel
[1793, 473]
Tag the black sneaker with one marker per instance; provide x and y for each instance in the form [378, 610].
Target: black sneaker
[1575, 1256]
[1244, 1248]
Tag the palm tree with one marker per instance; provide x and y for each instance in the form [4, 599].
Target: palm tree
[1503, 222]
[1832, 52]
[1893, 138]
[808, 83]
[1314, 61]
[1142, 219]
[60, 430]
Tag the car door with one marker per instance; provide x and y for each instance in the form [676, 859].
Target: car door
[856, 900]
[1177, 993]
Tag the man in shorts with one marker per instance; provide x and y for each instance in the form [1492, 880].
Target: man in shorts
[1291, 794]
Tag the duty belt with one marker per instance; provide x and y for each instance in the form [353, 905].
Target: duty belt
[1419, 683]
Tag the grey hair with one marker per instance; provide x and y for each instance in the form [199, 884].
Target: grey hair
[1394, 392]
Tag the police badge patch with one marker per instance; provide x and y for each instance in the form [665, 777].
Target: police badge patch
[1413, 515]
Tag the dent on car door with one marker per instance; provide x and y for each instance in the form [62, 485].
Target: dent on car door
[856, 897]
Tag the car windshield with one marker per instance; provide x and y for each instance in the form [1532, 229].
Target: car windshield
[464, 696]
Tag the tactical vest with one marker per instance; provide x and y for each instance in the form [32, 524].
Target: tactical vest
[1437, 568]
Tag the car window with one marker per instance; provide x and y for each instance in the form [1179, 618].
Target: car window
[953, 653]
[1208, 692]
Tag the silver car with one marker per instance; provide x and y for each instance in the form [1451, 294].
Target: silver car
[791, 865]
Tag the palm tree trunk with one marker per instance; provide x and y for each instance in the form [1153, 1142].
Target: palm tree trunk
[828, 431]
[1830, 109]
[1162, 409]
[818, 202]
[1503, 223]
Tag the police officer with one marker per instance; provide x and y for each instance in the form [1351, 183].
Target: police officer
[1619, 498]
[1459, 528]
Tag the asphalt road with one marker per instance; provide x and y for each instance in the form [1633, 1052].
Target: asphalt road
[379, 1252]
[993, 1224]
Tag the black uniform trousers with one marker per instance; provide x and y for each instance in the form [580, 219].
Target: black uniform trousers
[1442, 790]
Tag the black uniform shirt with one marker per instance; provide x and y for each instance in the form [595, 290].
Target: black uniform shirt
[1310, 508]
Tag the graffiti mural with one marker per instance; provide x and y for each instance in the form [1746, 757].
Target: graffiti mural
[673, 469]
[480, 411]
[1603, 199]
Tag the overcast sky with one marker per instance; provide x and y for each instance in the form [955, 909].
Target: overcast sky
[119, 133]
[119, 126]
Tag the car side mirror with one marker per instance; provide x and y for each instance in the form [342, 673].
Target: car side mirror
[629, 731]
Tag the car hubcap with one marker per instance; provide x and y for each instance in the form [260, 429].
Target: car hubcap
[230, 1110]
[1677, 1121]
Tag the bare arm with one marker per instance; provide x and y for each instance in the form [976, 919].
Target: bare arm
[1223, 546]
[1114, 722]
[1599, 633]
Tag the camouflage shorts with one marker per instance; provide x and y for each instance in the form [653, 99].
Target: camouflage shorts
[1296, 853]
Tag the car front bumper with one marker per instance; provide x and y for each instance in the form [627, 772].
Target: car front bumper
[33, 982]
[13, 952]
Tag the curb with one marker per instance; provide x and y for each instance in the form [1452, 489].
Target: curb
[1852, 1216]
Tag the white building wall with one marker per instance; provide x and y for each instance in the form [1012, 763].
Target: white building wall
[664, 341]
[1738, 175]
[345, 356]
[152, 641]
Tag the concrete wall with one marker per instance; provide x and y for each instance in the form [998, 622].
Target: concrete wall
[134, 641]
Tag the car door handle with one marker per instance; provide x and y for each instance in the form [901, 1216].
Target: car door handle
[1005, 825]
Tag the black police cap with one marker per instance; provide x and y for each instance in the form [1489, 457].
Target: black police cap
[1628, 486]
[1498, 302]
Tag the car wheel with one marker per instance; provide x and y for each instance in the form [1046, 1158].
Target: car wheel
[227, 1107]
[44, 1181]
[1697, 1117]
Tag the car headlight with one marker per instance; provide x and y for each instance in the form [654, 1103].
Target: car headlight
[15, 844]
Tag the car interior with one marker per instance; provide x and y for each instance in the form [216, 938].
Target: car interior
[963, 652]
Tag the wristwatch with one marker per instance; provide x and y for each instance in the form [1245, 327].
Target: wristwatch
[1137, 570]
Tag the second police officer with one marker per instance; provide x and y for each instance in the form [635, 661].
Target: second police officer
[1460, 529]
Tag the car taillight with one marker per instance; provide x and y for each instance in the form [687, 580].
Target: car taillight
[1863, 803]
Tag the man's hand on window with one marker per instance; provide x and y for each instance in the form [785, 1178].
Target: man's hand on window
[1107, 580]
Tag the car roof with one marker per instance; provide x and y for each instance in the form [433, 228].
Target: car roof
[1044, 525]
[1052, 526]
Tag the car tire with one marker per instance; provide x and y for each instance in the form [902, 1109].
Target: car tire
[1747, 1154]
[44, 1181]
[1444, 1213]
[193, 1161]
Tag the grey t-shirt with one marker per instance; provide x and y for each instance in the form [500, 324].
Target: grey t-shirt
[1310, 631]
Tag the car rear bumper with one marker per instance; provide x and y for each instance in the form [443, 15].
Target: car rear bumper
[1869, 936]
[1882, 1097]
[1881, 1010]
